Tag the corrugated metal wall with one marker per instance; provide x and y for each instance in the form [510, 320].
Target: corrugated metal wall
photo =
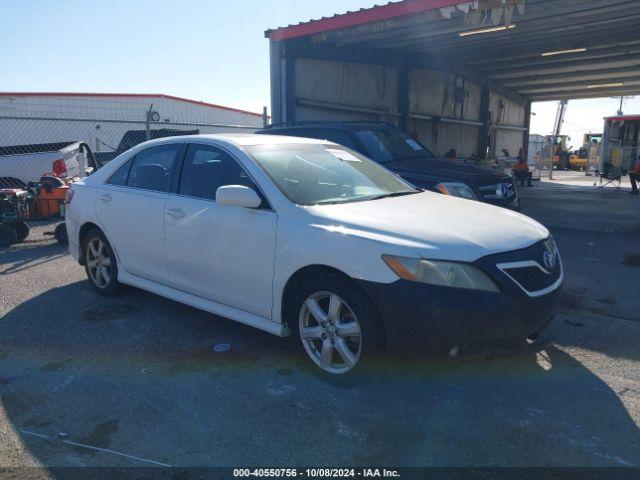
[445, 110]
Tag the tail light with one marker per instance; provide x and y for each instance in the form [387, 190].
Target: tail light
[60, 168]
[68, 196]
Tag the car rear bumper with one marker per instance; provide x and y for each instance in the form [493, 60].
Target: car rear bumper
[72, 235]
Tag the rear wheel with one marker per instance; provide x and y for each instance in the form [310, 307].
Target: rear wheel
[22, 231]
[61, 234]
[100, 264]
[533, 337]
[337, 327]
[7, 235]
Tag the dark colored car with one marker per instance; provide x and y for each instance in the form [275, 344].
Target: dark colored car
[131, 138]
[400, 153]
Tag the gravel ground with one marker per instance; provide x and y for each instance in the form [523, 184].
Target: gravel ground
[137, 376]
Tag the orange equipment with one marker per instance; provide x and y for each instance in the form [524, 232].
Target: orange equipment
[51, 196]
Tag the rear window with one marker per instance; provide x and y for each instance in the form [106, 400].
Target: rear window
[386, 145]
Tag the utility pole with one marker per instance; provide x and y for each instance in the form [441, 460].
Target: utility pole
[557, 129]
[148, 123]
[622, 99]
[620, 109]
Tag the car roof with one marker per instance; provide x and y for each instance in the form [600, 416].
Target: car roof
[242, 139]
[354, 125]
[238, 139]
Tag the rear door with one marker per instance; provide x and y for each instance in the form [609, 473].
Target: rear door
[130, 208]
[221, 253]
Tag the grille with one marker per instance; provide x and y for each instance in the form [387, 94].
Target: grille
[525, 269]
[532, 278]
[497, 191]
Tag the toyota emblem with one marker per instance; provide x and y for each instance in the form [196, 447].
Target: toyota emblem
[549, 260]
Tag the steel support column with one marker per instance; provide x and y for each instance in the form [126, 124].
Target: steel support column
[485, 129]
[527, 125]
[403, 97]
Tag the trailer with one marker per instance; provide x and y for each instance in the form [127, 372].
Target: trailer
[619, 146]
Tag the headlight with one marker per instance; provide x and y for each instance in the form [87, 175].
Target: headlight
[440, 272]
[454, 189]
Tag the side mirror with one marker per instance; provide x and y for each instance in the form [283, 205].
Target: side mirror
[237, 196]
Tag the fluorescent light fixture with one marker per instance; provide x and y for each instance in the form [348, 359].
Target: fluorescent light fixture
[606, 85]
[562, 52]
[488, 30]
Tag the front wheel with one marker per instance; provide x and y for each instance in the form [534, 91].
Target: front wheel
[100, 264]
[337, 327]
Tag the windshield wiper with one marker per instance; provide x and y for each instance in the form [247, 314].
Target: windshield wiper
[394, 194]
[408, 157]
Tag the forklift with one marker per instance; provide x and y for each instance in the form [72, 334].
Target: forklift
[560, 156]
[560, 153]
[587, 156]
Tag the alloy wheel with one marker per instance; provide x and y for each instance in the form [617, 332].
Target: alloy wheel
[330, 332]
[99, 262]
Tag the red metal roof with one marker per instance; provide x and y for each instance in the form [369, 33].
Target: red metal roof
[623, 118]
[123, 95]
[364, 15]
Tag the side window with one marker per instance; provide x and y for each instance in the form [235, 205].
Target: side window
[121, 175]
[152, 168]
[206, 168]
[335, 135]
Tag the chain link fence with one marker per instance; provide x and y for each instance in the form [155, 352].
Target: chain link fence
[616, 162]
[40, 156]
[540, 158]
[547, 155]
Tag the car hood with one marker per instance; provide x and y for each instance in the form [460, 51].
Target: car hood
[433, 170]
[432, 225]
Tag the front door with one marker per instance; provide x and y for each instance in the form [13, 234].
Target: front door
[218, 252]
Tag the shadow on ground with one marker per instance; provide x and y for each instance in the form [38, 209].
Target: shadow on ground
[138, 375]
[27, 255]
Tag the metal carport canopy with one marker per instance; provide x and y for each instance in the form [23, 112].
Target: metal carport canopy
[521, 61]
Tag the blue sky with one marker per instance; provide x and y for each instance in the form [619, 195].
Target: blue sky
[211, 50]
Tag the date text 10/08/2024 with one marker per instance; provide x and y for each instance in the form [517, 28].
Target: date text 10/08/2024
[316, 472]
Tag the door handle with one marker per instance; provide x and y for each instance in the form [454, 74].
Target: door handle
[105, 197]
[175, 213]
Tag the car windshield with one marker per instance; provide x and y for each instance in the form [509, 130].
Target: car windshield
[386, 145]
[311, 174]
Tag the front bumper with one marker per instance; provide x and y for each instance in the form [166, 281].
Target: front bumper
[419, 316]
[512, 202]
[503, 194]
[416, 316]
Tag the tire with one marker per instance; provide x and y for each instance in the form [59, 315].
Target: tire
[61, 234]
[342, 347]
[7, 235]
[100, 264]
[22, 231]
[533, 337]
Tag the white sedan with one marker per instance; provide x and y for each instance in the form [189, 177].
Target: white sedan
[306, 237]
